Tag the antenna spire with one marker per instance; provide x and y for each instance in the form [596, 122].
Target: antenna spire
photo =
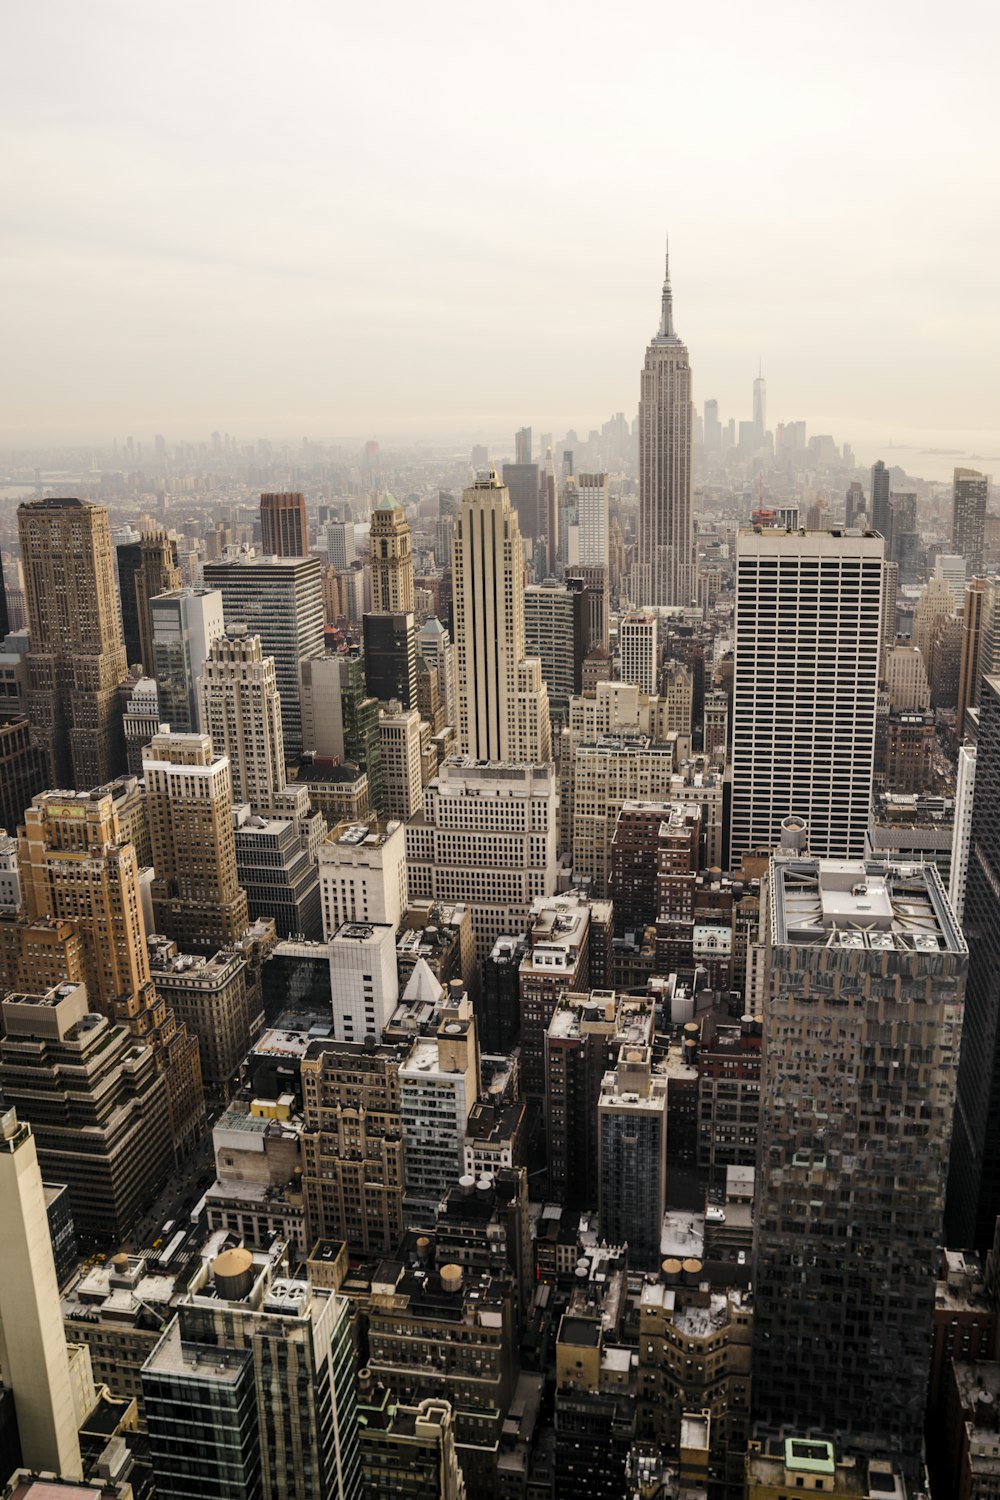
[667, 299]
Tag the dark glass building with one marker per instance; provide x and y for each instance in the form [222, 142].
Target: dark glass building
[391, 658]
[974, 1175]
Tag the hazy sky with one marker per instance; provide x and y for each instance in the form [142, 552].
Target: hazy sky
[351, 220]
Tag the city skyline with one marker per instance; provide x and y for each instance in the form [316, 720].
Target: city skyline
[182, 207]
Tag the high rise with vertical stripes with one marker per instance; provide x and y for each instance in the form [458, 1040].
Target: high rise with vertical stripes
[503, 704]
[664, 573]
[808, 632]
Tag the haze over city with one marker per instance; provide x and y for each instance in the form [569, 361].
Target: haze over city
[499, 753]
[411, 223]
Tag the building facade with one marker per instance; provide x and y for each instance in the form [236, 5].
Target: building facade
[864, 1016]
[503, 710]
[808, 612]
[665, 571]
[76, 659]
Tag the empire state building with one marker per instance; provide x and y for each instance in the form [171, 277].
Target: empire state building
[665, 571]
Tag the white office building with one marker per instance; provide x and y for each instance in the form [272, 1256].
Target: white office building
[362, 874]
[364, 986]
[808, 617]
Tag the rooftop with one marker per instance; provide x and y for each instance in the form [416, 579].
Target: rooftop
[861, 904]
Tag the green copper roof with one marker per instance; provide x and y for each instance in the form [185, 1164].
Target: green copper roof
[388, 501]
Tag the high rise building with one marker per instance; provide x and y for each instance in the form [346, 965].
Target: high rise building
[854, 503]
[974, 1181]
[340, 547]
[524, 483]
[402, 785]
[390, 644]
[362, 875]
[969, 671]
[638, 638]
[595, 587]
[434, 644]
[284, 526]
[140, 720]
[632, 1155]
[281, 600]
[486, 837]
[364, 986]
[392, 558]
[197, 898]
[438, 1085]
[555, 631]
[96, 1104]
[186, 622]
[76, 864]
[961, 832]
[352, 1144]
[250, 1391]
[503, 703]
[880, 509]
[35, 1358]
[970, 492]
[808, 618]
[24, 768]
[905, 547]
[77, 656]
[145, 568]
[79, 865]
[4, 612]
[759, 410]
[522, 446]
[241, 711]
[210, 996]
[592, 517]
[665, 569]
[850, 1207]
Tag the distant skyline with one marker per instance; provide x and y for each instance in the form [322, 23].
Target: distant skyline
[428, 223]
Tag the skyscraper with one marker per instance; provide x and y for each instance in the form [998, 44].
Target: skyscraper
[880, 509]
[759, 410]
[185, 622]
[592, 519]
[555, 625]
[250, 1392]
[77, 658]
[145, 568]
[522, 445]
[665, 570]
[284, 526]
[35, 1359]
[197, 898]
[281, 600]
[855, 1123]
[96, 1104]
[503, 704]
[970, 491]
[973, 620]
[241, 710]
[392, 558]
[390, 644]
[4, 615]
[808, 618]
[78, 865]
[854, 503]
[525, 496]
[640, 653]
[974, 1180]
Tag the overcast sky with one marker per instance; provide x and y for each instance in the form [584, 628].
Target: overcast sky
[346, 219]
